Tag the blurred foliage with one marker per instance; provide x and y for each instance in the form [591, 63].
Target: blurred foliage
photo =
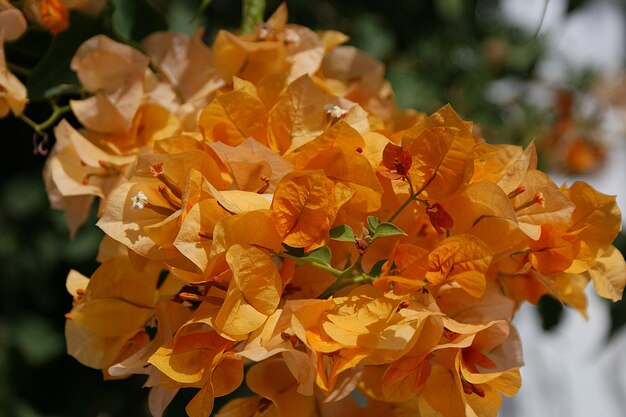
[436, 52]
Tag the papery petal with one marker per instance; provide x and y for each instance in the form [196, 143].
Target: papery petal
[462, 259]
[441, 150]
[609, 274]
[304, 207]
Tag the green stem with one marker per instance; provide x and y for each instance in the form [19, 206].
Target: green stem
[355, 266]
[357, 279]
[341, 282]
[323, 267]
[544, 11]
[412, 197]
[408, 180]
[252, 15]
[57, 112]
[18, 69]
[402, 207]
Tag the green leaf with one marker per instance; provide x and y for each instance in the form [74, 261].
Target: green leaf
[37, 340]
[64, 90]
[373, 34]
[318, 256]
[387, 229]
[201, 9]
[342, 233]
[32, 45]
[22, 197]
[53, 69]
[372, 224]
[293, 251]
[377, 268]
[252, 15]
[133, 20]
[21, 409]
[450, 10]
[122, 19]
[84, 245]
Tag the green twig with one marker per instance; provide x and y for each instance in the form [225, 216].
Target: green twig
[408, 180]
[412, 197]
[252, 15]
[335, 272]
[57, 112]
[544, 11]
[18, 69]
[200, 10]
[341, 281]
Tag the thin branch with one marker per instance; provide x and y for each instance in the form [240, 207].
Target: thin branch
[57, 113]
[412, 197]
[544, 11]
[18, 69]
[252, 14]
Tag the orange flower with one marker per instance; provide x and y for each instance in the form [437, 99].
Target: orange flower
[462, 260]
[304, 207]
[77, 171]
[54, 15]
[236, 115]
[12, 22]
[146, 213]
[185, 62]
[12, 92]
[441, 150]
[107, 323]
[200, 359]
[276, 47]
[115, 73]
[253, 293]
[397, 160]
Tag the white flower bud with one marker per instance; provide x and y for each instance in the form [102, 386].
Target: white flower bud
[334, 111]
[139, 201]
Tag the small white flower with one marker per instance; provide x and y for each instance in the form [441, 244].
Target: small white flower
[290, 36]
[264, 31]
[334, 111]
[139, 201]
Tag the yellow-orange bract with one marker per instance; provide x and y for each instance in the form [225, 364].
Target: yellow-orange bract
[13, 97]
[304, 207]
[265, 202]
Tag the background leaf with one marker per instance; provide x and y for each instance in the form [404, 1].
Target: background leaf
[37, 340]
[133, 20]
[53, 69]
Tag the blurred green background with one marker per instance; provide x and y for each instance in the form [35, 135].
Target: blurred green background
[436, 52]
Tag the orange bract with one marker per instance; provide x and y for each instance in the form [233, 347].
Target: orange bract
[54, 15]
[14, 96]
[462, 259]
[304, 207]
[441, 150]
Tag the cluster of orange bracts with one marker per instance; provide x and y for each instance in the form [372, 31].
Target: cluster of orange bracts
[272, 217]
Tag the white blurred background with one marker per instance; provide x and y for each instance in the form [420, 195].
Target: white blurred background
[572, 371]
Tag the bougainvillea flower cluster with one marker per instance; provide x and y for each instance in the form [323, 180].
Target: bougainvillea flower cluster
[273, 219]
